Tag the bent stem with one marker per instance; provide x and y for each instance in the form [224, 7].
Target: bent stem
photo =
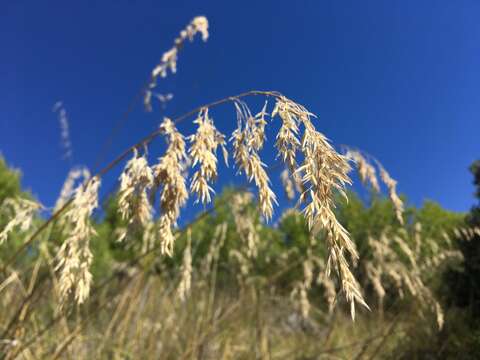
[140, 144]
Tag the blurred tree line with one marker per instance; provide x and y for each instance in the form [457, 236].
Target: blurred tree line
[284, 245]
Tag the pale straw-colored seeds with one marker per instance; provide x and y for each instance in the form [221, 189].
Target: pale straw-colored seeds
[204, 144]
[368, 175]
[135, 182]
[247, 140]
[367, 171]
[23, 211]
[394, 266]
[392, 193]
[168, 175]
[74, 257]
[74, 176]
[322, 173]
[169, 59]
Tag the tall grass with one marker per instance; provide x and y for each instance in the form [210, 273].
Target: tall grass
[181, 296]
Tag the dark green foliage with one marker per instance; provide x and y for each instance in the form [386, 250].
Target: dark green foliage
[465, 284]
[9, 182]
[10, 187]
[283, 248]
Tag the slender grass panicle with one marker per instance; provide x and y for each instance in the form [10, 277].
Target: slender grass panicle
[168, 174]
[368, 175]
[247, 140]
[329, 290]
[466, 232]
[287, 141]
[202, 151]
[322, 174]
[74, 256]
[324, 170]
[367, 171]
[244, 288]
[68, 187]
[169, 59]
[395, 267]
[392, 192]
[23, 211]
[135, 182]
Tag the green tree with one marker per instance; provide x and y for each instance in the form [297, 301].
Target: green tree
[466, 283]
[10, 188]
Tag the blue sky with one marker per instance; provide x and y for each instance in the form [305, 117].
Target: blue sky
[398, 79]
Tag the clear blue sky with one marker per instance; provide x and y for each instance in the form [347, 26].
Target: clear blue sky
[398, 79]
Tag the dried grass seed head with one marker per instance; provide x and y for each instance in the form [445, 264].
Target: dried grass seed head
[68, 187]
[202, 151]
[23, 212]
[135, 182]
[366, 170]
[169, 175]
[392, 192]
[74, 256]
[247, 140]
[169, 59]
[323, 172]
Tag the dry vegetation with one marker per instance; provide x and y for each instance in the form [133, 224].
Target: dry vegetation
[224, 286]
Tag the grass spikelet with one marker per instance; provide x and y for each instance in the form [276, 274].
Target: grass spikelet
[169, 59]
[135, 181]
[74, 256]
[324, 170]
[169, 176]
[368, 175]
[392, 192]
[367, 171]
[247, 140]
[23, 211]
[68, 187]
[203, 152]
[287, 141]
[165, 234]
